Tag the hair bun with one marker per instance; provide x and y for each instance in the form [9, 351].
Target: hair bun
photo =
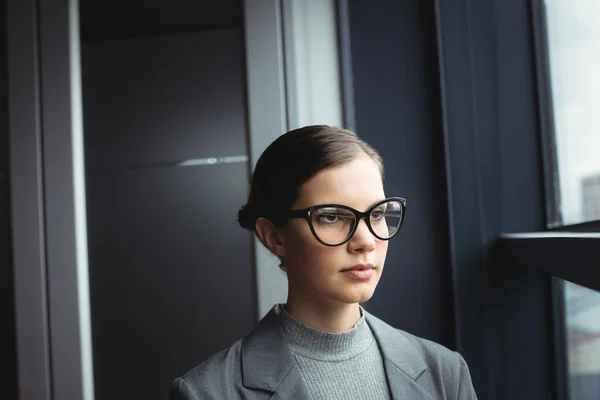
[246, 219]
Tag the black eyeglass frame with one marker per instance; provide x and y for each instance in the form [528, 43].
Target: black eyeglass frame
[306, 213]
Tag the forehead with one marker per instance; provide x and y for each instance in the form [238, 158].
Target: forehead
[356, 184]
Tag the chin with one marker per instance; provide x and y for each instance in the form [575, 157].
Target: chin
[357, 295]
[365, 298]
[361, 292]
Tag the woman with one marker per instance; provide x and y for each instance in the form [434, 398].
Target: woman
[317, 203]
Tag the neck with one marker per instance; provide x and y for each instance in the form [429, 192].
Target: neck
[323, 315]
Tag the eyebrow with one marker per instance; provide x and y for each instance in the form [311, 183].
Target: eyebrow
[344, 204]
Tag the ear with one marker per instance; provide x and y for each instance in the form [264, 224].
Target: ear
[270, 236]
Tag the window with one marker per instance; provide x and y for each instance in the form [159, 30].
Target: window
[582, 308]
[574, 57]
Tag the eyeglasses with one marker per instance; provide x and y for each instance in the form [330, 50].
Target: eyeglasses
[335, 224]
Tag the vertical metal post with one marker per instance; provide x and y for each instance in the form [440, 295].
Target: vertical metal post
[64, 200]
[267, 119]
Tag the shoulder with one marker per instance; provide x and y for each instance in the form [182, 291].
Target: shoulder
[446, 370]
[253, 362]
[435, 356]
[397, 343]
[440, 371]
[218, 374]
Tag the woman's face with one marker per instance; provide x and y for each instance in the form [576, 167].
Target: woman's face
[316, 271]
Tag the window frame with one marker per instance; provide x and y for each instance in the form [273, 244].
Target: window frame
[549, 148]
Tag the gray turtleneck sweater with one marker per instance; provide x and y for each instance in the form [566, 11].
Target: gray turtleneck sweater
[343, 366]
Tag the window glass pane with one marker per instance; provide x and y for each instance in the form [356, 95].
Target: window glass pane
[574, 53]
[583, 341]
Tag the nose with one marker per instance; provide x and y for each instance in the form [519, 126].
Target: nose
[362, 240]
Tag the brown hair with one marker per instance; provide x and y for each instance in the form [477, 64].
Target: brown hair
[290, 161]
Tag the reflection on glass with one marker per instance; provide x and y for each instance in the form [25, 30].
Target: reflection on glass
[583, 341]
[574, 52]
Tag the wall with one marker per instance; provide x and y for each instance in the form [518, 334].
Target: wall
[8, 356]
[8, 361]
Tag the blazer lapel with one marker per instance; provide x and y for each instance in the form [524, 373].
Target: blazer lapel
[403, 364]
[402, 386]
[292, 386]
[267, 362]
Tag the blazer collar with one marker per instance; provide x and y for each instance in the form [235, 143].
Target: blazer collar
[266, 357]
[268, 363]
[396, 348]
[402, 362]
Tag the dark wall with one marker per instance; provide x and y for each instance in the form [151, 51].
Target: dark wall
[117, 19]
[171, 273]
[8, 355]
[397, 110]
[8, 361]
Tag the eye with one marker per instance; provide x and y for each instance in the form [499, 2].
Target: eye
[377, 215]
[331, 218]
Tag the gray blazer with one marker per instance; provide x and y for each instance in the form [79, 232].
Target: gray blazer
[261, 366]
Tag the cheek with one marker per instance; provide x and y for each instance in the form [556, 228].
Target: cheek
[303, 250]
[382, 248]
[325, 259]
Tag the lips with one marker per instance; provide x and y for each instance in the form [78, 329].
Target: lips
[359, 267]
[360, 272]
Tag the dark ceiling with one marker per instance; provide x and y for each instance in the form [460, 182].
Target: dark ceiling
[114, 19]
